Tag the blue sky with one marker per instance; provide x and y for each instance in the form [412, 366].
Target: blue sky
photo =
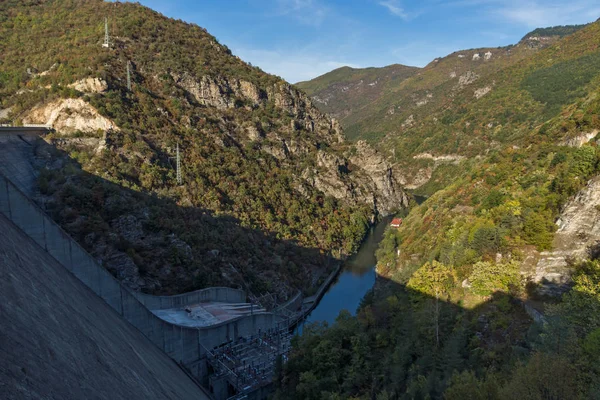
[302, 39]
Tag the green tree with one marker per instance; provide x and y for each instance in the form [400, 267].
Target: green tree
[544, 377]
[488, 277]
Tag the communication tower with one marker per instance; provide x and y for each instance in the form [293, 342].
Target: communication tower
[106, 38]
[179, 180]
[129, 75]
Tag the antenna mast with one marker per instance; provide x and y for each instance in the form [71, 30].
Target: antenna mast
[129, 75]
[179, 180]
[106, 38]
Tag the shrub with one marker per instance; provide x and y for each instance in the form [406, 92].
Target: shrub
[488, 277]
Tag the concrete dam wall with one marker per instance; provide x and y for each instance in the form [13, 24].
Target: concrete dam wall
[183, 344]
[59, 340]
[16, 153]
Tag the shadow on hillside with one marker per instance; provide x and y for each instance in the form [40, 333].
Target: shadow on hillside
[405, 344]
[156, 245]
[402, 343]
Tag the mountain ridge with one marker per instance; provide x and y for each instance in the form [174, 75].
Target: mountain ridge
[457, 88]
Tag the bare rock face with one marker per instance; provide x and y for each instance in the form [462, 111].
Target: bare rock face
[223, 93]
[443, 159]
[219, 92]
[208, 91]
[90, 85]
[327, 177]
[124, 268]
[249, 91]
[279, 149]
[4, 113]
[96, 145]
[363, 177]
[254, 133]
[300, 106]
[479, 93]
[410, 122]
[538, 42]
[129, 227]
[387, 192]
[580, 140]
[416, 179]
[68, 116]
[467, 78]
[578, 231]
[328, 182]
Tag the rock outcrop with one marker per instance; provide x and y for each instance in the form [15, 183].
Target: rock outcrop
[467, 78]
[389, 195]
[90, 85]
[580, 140]
[479, 93]
[443, 159]
[68, 116]
[223, 93]
[413, 179]
[578, 232]
[364, 177]
[4, 113]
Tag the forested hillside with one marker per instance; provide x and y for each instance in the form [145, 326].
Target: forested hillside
[345, 91]
[270, 192]
[473, 101]
[489, 288]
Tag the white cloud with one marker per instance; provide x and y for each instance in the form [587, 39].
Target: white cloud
[292, 66]
[309, 12]
[536, 13]
[395, 9]
[531, 13]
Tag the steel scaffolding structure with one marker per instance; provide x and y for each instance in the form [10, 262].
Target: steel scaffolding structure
[249, 362]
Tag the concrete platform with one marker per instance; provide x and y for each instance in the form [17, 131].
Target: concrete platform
[207, 314]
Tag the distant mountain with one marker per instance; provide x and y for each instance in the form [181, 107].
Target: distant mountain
[560, 31]
[462, 105]
[489, 289]
[344, 91]
[270, 190]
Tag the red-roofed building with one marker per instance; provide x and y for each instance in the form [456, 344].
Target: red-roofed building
[396, 222]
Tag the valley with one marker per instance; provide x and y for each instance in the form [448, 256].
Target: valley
[354, 282]
[238, 227]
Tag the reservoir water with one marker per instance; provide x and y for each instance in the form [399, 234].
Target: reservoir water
[355, 280]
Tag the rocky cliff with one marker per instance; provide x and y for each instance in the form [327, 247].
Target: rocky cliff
[370, 180]
[363, 176]
[576, 239]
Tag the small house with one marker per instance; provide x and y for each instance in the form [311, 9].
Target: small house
[396, 222]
